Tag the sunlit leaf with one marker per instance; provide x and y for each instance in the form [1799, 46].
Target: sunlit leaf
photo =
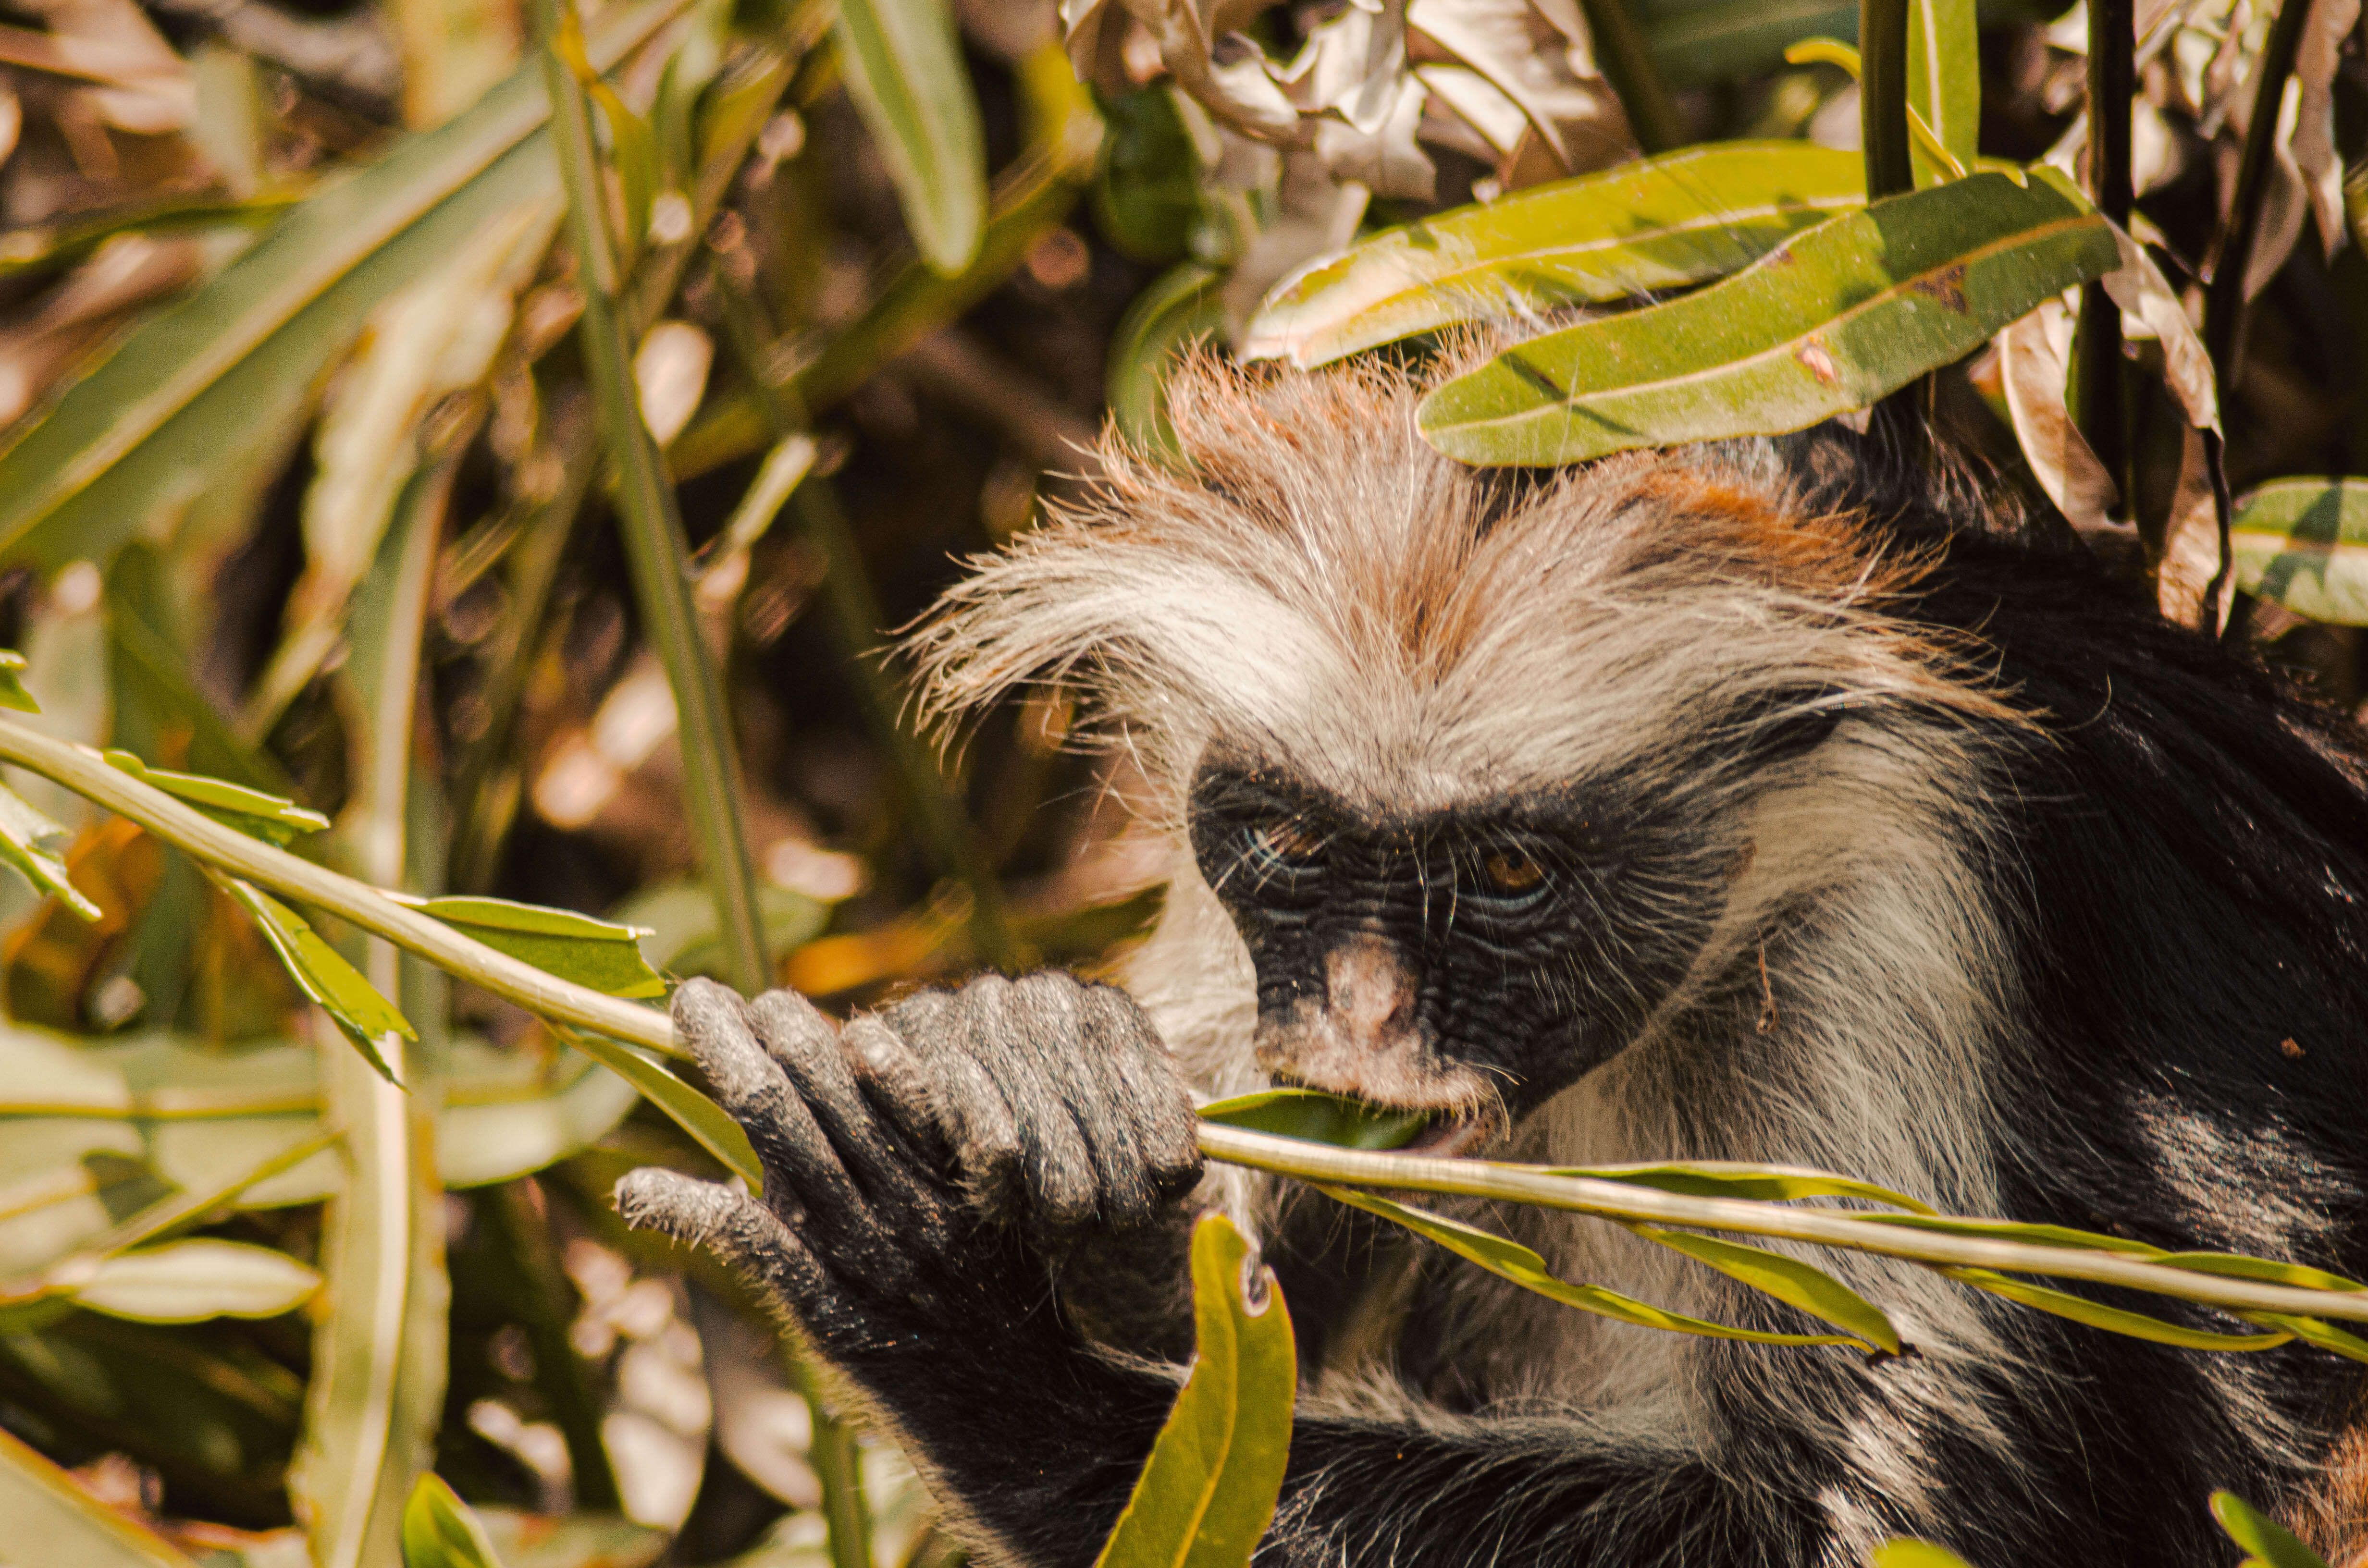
[2302, 543]
[31, 842]
[1183, 309]
[2015, 1231]
[1208, 1491]
[252, 811]
[362, 1015]
[905, 72]
[1902, 1552]
[1734, 1178]
[600, 954]
[1944, 78]
[223, 370]
[1833, 320]
[12, 683]
[2312, 1331]
[191, 1281]
[1643, 227]
[1511, 1260]
[2271, 1544]
[1319, 1117]
[1788, 1279]
[52, 1519]
[440, 1530]
[691, 1111]
[2236, 1265]
[2137, 1325]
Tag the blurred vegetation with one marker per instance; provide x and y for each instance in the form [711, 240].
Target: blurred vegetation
[546, 559]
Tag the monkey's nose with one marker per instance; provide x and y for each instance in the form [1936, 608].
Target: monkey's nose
[1370, 993]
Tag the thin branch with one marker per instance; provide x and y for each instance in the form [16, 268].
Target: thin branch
[1882, 97]
[1626, 57]
[2232, 251]
[2102, 405]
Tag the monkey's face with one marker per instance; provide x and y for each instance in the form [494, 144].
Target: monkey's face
[1470, 961]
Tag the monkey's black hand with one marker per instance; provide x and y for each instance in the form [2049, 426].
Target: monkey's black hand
[925, 1169]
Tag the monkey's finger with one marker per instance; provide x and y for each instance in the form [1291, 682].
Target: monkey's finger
[743, 1232]
[898, 1086]
[979, 1124]
[806, 1046]
[1165, 1126]
[1026, 1033]
[799, 1163]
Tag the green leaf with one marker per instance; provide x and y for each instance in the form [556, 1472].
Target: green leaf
[2236, 1265]
[905, 72]
[1319, 1117]
[600, 954]
[1900, 1551]
[1656, 224]
[1733, 1178]
[2271, 1543]
[1836, 318]
[271, 818]
[222, 371]
[30, 841]
[1511, 1260]
[2311, 1331]
[2014, 1231]
[2136, 1325]
[189, 1281]
[1208, 1491]
[362, 1015]
[440, 1530]
[1944, 78]
[1789, 1280]
[53, 1520]
[691, 1111]
[1147, 187]
[1180, 311]
[12, 683]
[2302, 543]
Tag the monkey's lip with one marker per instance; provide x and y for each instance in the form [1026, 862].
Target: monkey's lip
[1447, 1136]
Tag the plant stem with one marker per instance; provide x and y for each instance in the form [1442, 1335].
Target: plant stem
[652, 530]
[855, 620]
[2102, 407]
[1882, 97]
[1626, 57]
[2232, 252]
[83, 772]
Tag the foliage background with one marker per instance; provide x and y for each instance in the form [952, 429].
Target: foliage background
[347, 537]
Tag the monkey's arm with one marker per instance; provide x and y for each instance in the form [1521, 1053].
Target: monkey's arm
[926, 1172]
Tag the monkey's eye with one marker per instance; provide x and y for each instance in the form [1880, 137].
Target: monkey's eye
[1512, 871]
[1285, 843]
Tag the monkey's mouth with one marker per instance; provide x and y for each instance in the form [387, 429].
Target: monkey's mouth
[1448, 1134]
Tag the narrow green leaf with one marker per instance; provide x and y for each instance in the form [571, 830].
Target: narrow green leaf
[1788, 1279]
[12, 683]
[270, 818]
[1511, 1260]
[1734, 1179]
[1183, 309]
[2271, 1543]
[223, 370]
[190, 1281]
[598, 953]
[905, 72]
[1944, 78]
[441, 1531]
[1656, 224]
[691, 1111]
[2137, 1325]
[1319, 1117]
[2236, 1265]
[1901, 1551]
[2302, 543]
[362, 1015]
[2311, 1331]
[1208, 1491]
[2014, 1231]
[1695, 42]
[53, 1520]
[1841, 315]
[29, 842]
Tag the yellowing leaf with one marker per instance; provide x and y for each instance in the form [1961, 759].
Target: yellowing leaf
[1902, 1552]
[1511, 1260]
[1788, 1279]
[2271, 1543]
[1837, 317]
[1208, 1491]
[601, 954]
[2302, 543]
[362, 1015]
[1319, 1117]
[189, 1281]
[12, 683]
[1734, 1178]
[691, 1111]
[2137, 1325]
[52, 1519]
[441, 1531]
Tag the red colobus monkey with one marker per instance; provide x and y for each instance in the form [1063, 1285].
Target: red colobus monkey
[1748, 801]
